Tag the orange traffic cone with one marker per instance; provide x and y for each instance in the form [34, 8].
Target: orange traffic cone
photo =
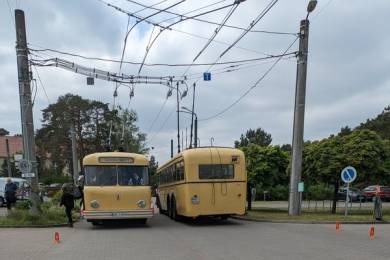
[338, 226]
[371, 233]
[57, 239]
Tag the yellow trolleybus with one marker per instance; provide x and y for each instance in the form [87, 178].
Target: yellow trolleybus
[116, 187]
[207, 181]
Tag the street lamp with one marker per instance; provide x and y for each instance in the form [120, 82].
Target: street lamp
[294, 205]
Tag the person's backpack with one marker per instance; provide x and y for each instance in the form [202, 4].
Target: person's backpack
[76, 193]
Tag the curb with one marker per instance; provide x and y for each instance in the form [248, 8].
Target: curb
[307, 222]
[35, 226]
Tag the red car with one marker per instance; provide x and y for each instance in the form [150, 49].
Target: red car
[383, 191]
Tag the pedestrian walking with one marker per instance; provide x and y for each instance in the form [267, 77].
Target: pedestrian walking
[10, 193]
[67, 200]
[80, 188]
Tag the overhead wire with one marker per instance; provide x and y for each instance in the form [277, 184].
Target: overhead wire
[256, 84]
[43, 86]
[145, 64]
[174, 23]
[150, 6]
[177, 15]
[252, 24]
[217, 30]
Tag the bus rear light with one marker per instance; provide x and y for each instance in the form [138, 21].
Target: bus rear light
[195, 200]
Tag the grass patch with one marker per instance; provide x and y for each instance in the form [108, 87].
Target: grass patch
[319, 215]
[51, 214]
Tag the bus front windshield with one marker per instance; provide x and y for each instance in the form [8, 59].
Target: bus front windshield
[116, 175]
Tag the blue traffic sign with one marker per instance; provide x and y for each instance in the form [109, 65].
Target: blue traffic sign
[348, 174]
[206, 76]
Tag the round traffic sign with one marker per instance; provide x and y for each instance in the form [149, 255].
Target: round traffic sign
[348, 174]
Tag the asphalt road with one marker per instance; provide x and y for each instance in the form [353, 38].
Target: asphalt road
[163, 238]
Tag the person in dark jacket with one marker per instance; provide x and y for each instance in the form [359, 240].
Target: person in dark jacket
[10, 193]
[67, 200]
[80, 187]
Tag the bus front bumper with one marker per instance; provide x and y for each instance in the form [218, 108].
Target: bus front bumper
[125, 214]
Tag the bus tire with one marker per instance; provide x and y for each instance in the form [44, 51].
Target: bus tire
[174, 210]
[169, 213]
[158, 202]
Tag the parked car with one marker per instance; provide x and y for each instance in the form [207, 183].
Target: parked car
[383, 191]
[355, 195]
[21, 183]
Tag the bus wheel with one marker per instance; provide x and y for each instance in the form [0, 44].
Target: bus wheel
[169, 207]
[173, 209]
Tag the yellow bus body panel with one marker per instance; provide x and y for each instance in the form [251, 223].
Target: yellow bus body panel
[216, 196]
[117, 202]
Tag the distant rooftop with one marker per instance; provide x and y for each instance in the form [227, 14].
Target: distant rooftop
[15, 145]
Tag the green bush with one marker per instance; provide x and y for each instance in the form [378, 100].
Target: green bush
[279, 192]
[55, 200]
[23, 204]
[319, 192]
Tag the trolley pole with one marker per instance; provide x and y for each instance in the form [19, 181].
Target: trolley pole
[196, 131]
[26, 106]
[299, 116]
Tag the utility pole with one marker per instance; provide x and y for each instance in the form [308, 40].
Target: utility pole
[26, 106]
[8, 158]
[178, 118]
[74, 155]
[299, 116]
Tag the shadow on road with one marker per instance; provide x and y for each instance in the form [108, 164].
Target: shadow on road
[208, 221]
[120, 224]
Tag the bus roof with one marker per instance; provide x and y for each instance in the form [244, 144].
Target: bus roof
[204, 152]
[115, 158]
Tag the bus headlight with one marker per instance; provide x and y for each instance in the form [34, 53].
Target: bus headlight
[141, 203]
[95, 204]
[195, 200]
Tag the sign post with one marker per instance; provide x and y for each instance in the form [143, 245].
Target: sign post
[348, 175]
[301, 189]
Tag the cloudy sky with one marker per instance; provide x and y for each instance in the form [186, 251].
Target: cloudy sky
[348, 79]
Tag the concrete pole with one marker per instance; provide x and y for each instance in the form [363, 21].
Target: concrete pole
[8, 158]
[25, 97]
[75, 159]
[299, 116]
[26, 109]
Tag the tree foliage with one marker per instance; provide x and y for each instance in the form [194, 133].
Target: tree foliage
[3, 132]
[266, 166]
[380, 124]
[92, 121]
[363, 149]
[258, 137]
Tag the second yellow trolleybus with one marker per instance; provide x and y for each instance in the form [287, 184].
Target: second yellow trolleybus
[207, 181]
